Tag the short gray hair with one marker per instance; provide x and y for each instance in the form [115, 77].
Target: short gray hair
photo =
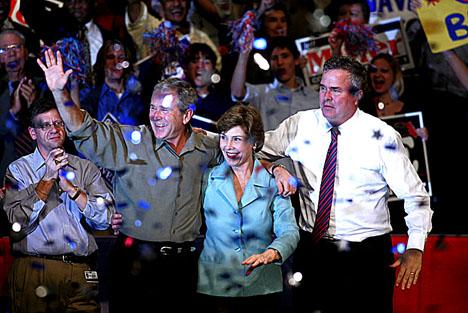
[14, 32]
[186, 95]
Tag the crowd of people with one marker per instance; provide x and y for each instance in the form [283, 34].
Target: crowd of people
[217, 178]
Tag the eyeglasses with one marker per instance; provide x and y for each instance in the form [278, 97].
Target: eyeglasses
[14, 47]
[48, 126]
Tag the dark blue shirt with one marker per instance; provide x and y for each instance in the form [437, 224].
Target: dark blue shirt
[211, 107]
[129, 109]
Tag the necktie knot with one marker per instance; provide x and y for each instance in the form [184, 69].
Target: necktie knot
[82, 33]
[334, 133]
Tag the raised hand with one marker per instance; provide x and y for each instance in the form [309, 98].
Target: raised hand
[335, 41]
[53, 70]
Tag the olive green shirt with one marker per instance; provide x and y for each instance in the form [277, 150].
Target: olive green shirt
[157, 191]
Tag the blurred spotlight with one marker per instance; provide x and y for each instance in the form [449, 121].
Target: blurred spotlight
[297, 276]
[42, 291]
[260, 43]
[100, 201]
[401, 248]
[261, 61]
[294, 280]
[136, 137]
[16, 227]
[325, 20]
[70, 175]
[318, 13]
[128, 242]
[164, 172]
[167, 101]
[215, 78]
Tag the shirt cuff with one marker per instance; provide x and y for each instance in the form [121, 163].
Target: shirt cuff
[416, 241]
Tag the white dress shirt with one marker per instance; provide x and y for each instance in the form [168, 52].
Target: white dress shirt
[371, 159]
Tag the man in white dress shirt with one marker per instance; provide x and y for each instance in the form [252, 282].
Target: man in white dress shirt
[350, 267]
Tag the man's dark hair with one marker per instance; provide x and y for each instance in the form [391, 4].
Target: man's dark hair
[357, 71]
[42, 105]
[200, 48]
[248, 118]
[283, 42]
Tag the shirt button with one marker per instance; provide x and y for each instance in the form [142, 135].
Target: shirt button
[238, 249]
[236, 231]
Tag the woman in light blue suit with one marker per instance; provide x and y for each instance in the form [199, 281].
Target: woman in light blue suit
[250, 228]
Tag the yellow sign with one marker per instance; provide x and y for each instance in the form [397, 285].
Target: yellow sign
[445, 23]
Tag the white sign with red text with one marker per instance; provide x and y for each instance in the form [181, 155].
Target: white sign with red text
[389, 35]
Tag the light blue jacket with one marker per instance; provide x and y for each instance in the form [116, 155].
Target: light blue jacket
[235, 231]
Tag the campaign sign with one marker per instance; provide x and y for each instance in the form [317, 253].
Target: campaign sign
[445, 23]
[406, 125]
[389, 35]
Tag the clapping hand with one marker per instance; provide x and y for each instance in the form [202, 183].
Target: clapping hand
[56, 159]
[26, 91]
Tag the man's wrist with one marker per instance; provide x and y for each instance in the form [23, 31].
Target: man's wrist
[77, 191]
[275, 166]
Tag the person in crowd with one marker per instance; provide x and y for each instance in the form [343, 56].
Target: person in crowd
[273, 21]
[213, 93]
[18, 89]
[117, 91]
[55, 199]
[458, 66]
[251, 229]
[347, 161]
[213, 16]
[386, 89]
[356, 11]
[282, 98]
[138, 21]
[439, 87]
[176, 13]
[73, 18]
[158, 184]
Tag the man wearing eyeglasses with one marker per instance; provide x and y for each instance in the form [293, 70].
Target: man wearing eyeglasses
[54, 200]
[18, 89]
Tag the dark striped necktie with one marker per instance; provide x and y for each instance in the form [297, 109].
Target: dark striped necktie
[24, 144]
[322, 219]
